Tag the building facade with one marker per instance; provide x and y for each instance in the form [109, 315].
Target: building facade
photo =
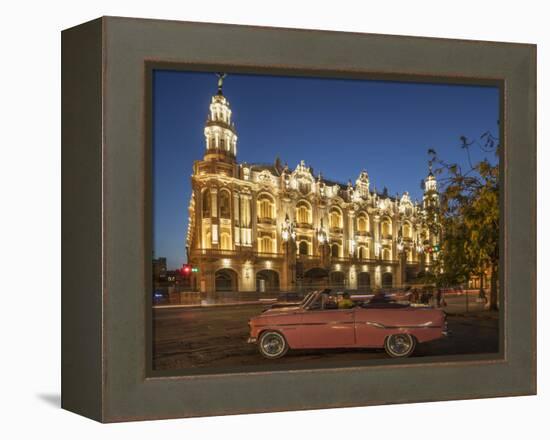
[268, 227]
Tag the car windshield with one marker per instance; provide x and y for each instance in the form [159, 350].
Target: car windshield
[327, 300]
[307, 298]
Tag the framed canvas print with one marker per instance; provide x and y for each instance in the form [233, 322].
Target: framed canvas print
[262, 219]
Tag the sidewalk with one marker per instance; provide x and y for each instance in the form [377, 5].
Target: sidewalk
[206, 303]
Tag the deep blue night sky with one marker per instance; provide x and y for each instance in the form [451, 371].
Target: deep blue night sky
[339, 127]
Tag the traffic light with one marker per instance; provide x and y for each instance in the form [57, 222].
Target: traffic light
[186, 270]
[436, 248]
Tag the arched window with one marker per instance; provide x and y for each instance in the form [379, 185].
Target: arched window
[335, 250]
[407, 230]
[386, 254]
[225, 204]
[363, 253]
[362, 223]
[303, 213]
[266, 208]
[336, 219]
[303, 248]
[266, 245]
[225, 241]
[206, 204]
[386, 228]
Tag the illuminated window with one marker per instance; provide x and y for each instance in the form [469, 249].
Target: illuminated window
[335, 219]
[266, 245]
[363, 252]
[266, 208]
[206, 204]
[303, 213]
[407, 230]
[362, 223]
[225, 205]
[225, 241]
[386, 228]
[386, 254]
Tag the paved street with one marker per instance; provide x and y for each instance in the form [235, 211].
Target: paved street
[216, 337]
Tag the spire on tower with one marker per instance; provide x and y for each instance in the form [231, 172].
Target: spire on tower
[221, 77]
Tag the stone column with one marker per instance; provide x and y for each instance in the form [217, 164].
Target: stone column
[351, 233]
[214, 216]
[399, 276]
[376, 236]
[352, 278]
[236, 218]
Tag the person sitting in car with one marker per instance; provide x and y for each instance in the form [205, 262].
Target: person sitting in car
[328, 301]
[344, 301]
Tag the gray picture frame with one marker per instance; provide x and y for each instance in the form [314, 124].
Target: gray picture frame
[106, 218]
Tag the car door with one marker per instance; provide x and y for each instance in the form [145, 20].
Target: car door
[370, 329]
[330, 328]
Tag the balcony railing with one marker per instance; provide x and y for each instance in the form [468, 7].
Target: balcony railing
[215, 252]
[270, 255]
[223, 253]
[304, 225]
[336, 230]
[267, 220]
[357, 260]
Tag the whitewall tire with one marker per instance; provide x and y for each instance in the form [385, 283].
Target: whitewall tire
[400, 345]
[272, 345]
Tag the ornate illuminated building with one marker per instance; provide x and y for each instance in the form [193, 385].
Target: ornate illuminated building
[260, 227]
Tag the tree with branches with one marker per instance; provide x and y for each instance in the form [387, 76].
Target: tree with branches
[469, 216]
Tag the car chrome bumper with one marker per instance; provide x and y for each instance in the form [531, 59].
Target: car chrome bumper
[251, 340]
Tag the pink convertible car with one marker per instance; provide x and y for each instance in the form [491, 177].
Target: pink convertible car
[318, 323]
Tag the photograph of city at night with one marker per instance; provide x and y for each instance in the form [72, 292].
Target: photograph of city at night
[306, 222]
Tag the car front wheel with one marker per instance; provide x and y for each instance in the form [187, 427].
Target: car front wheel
[272, 345]
[400, 345]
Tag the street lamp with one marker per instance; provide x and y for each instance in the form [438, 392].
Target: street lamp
[321, 234]
[287, 231]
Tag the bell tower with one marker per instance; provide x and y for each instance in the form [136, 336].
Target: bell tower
[219, 131]
[431, 196]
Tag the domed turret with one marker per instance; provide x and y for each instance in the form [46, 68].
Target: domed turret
[430, 184]
[431, 196]
[219, 132]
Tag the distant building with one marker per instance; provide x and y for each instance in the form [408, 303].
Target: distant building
[159, 269]
[261, 227]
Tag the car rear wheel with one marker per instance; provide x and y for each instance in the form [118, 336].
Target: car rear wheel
[400, 345]
[272, 345]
